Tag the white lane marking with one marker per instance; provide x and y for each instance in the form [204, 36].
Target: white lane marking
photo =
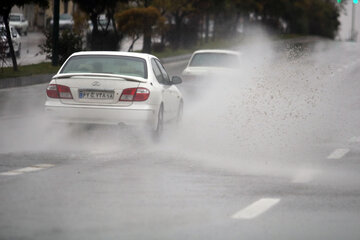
[338, 153]
[44, 165]
[26, 169]
[304, 176]
[257, 208]
[354, 140]
[10, 173]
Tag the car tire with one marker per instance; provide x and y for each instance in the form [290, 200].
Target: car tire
[157, 132]
[18, 52]
[180, 112]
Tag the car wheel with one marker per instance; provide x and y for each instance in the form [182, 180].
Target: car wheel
[160, 124]
[180, 112]
[18, 51]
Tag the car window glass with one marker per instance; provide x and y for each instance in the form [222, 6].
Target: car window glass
[130, 66]
[157, 71]
[215, 60]
[163, 72]
[15, 18]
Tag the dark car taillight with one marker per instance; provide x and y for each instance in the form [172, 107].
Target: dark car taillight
[58, 91]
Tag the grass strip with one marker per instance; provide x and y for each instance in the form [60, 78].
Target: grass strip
[28, 70]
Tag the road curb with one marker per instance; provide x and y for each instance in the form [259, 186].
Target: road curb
[25, 81]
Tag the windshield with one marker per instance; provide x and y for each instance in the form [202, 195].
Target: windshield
[131, 66]
[15, 18]
[65, 17]
[215, 60]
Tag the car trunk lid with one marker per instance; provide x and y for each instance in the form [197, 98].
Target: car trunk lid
[96, 89]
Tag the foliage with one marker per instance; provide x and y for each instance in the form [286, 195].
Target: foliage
[137, 21]
[177, 11]
[69, 42]
[94, 8]
[80, 22]
[313, 17]
[5, 8]
[28, 70]
[102, 40]
[2, 53]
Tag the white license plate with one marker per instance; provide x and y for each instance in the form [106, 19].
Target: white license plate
[91, 94]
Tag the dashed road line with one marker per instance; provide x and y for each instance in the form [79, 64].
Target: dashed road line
[34, 168]
[10, 173]
[338, 153]
[257, 208]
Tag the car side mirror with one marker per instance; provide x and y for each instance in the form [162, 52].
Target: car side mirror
[176, 80]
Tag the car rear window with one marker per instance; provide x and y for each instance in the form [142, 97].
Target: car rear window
[123, 65]
[15, 18]
[215, 60]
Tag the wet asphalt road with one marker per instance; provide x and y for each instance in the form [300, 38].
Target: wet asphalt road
[97, 184]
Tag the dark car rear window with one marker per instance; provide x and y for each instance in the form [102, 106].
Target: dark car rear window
[123, 65]
[214, 60]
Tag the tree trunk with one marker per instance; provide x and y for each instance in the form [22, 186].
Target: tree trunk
[178, 37]
[215, 26]
[66, 6]
[207, 24]
[147, 35]
[131, 48]
[147, 40]
[147, 43]
[94, 32]
[9, 40]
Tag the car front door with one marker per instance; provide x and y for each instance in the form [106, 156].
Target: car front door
[15, 38]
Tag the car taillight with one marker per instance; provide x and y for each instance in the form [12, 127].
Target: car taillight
[58, 91]
[51, 91]
[64, 92]
[135, 94]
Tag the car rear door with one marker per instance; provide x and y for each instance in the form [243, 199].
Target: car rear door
[169, 95]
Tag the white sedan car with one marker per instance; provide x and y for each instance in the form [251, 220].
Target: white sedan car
[15, 38]
[205, 63]
[120, 88]
[19, 22]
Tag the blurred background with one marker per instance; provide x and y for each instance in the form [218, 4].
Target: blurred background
[163, 26]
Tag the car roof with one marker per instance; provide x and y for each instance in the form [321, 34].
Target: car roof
[217, 51]
[20, 14]
[114, 53]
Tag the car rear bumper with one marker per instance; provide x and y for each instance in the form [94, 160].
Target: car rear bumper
[110, 115]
